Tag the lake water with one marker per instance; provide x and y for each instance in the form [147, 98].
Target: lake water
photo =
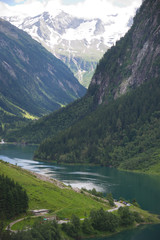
[145, 189]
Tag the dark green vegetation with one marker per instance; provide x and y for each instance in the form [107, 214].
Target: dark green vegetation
[122, 134]
[99, 222]
[13, 199]
[9, 123]
[47, 231]
[94, 192]
[125, 132]
[109, 196]
[33, 81]
[110, 199]
[37, 131]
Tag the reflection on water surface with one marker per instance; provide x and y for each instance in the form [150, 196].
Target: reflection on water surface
[145, 189]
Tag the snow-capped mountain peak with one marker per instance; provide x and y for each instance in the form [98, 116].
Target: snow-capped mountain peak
[79, 42]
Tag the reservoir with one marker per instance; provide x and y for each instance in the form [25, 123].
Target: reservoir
[144, 188]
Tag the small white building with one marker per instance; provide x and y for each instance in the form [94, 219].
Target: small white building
[40, 212]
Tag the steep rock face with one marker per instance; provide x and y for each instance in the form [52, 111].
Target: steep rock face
[133, 60]
[32, 80]
[125, 132]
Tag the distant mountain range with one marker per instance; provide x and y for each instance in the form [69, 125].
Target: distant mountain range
[78, 42]
[117, 123]
[32, 81]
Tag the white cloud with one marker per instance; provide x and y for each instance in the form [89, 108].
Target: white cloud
[123, 3]
[87, 9]
[29, 8]
[4, 9]
[101, 8]
[18, 1]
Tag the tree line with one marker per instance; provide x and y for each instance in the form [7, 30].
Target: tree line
[99, 221]
[13, 198]
[126, 129]
[22, 130]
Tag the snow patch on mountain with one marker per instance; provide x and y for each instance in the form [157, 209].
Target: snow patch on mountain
[79, 42]
[63, 26]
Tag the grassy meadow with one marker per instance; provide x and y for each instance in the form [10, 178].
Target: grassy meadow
[45, 195]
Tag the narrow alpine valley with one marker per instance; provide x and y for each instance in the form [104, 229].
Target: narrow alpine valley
[77, 162]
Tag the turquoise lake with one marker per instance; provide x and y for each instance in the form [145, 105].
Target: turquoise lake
[144, 188]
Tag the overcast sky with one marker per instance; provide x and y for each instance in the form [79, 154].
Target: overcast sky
[80, 8]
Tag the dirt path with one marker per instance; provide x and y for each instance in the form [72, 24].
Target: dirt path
[118, 205]
[12, 223]
[60, 185]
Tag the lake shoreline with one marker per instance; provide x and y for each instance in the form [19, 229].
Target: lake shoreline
[153, 170]
[155, 219]
[145, 172]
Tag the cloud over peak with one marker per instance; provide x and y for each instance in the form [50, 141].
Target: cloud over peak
[87, 8]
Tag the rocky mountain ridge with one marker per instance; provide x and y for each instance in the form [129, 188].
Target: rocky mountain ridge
[78, 42]
[123, 128]
[133, 60]
[32, 81]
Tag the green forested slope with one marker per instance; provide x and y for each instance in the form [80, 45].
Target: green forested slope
[10, 121]
[125, 132]
[122, 134]
[32, 80]
[47, 126]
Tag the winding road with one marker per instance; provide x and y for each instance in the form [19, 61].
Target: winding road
[118, 205]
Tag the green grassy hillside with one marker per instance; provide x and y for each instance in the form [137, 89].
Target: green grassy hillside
[65, 202]
[61, 201]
